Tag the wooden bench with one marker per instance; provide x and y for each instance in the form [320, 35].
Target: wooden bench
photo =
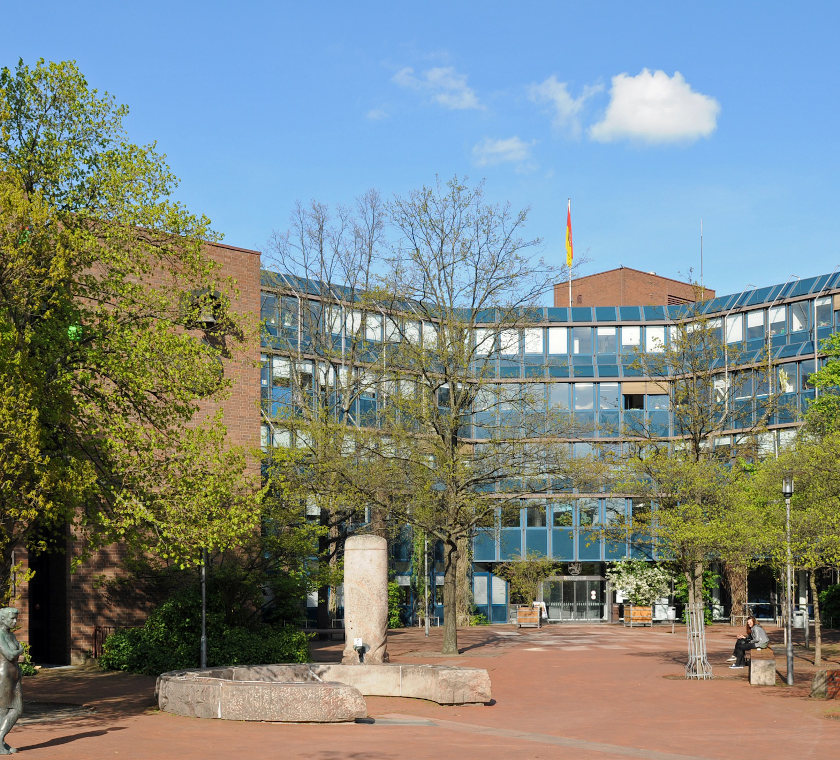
[762, 667]
[528, 616]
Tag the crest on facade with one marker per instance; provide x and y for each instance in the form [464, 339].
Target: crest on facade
[574, 568]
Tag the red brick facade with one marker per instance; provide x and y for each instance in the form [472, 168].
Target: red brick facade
[86, 606]
[628, 287]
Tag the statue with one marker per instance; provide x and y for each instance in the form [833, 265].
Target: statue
[11, 701]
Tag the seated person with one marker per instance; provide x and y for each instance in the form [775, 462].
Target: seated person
[756, 638]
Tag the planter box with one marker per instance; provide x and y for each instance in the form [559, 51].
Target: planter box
[634, 615]
[528, 616]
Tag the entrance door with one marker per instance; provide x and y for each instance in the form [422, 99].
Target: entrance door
[574, 598]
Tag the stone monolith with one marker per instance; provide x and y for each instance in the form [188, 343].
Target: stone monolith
[365, 599]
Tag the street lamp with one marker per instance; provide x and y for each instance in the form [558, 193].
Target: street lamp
[787, 492]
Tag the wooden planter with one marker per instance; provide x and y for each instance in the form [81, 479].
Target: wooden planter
[638, 615]
[528, 616]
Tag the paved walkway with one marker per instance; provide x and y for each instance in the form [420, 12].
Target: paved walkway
[582, 692]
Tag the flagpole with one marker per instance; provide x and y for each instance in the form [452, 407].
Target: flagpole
[569, 265]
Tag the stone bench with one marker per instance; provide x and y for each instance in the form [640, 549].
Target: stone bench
[293, 695]
[762, 667]
[312, 692]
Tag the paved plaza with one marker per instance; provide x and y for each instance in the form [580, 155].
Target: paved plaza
[564, 691]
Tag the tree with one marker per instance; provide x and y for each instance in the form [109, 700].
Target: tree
[102, 284]
[689, 478]
[410, 405]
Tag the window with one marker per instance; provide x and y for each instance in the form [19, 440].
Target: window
[509, 342]
[268, 309]
[373, 327]
[535, 516]
[557, 340]
[654, 339]
[562, 515]
[634, 401]
[608, 396]
[582, 340]
[743, 385]
[786, 384]
[606, 340]
[824, 312]
[614, 511]
[558, 395]
[755, 325]
[584, 396]
[799, 316]
[631, 337]
[533, 340]
[510, 518]
[588, 512]
[735, 328]
[484, 340]
[777, 320]
[658, 402]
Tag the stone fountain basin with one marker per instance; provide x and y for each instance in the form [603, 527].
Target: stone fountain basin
[312, 692]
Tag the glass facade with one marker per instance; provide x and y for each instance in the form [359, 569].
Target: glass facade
[583, 362]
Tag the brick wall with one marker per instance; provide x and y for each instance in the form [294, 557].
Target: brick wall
[88, 604]
[627, 287]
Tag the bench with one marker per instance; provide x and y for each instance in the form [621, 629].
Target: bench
[762, 667]
[528, 616]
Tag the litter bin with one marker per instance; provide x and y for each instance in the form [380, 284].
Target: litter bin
[671, 614]
[798, 620]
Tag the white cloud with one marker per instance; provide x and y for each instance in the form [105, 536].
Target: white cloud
[566, 109]
[443, 84]
[507, 150]
[653, 107]
[376, 114]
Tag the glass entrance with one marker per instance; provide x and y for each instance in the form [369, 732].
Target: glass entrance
[574, 598]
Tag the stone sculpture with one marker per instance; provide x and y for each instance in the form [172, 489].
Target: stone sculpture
[11, 701]
[365, 600]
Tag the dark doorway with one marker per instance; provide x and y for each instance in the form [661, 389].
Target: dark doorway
[49, 621]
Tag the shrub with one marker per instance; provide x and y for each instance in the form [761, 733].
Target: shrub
[394, 605]
[26, 666]
[170, 640]
[830, 605]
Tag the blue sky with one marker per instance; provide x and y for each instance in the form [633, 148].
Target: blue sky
[649, 116]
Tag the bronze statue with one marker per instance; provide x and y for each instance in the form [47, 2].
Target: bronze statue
[11, 701]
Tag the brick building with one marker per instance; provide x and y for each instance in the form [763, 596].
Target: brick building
[61, 610]
[628, 287]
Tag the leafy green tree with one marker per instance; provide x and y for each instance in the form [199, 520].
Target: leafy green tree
[525, 575]
[410, 417]
[689, 479]
[103, 282]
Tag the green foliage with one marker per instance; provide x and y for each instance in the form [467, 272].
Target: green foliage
[681, 596]
[525, 574]
[100, 379]
[640, 581]
[478, 618]
[25, 661]
[394, 605]
[170, 639]
[830, 605]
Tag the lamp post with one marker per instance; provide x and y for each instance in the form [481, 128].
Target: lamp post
[787, 492]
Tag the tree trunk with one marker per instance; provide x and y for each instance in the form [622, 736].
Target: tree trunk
[463, 590]
[694, 576]
[736, 580]
[812, 580]
[450, 607]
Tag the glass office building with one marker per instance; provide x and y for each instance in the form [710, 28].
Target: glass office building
[585, 360]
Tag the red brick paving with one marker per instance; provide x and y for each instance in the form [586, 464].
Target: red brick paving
[587, 692]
